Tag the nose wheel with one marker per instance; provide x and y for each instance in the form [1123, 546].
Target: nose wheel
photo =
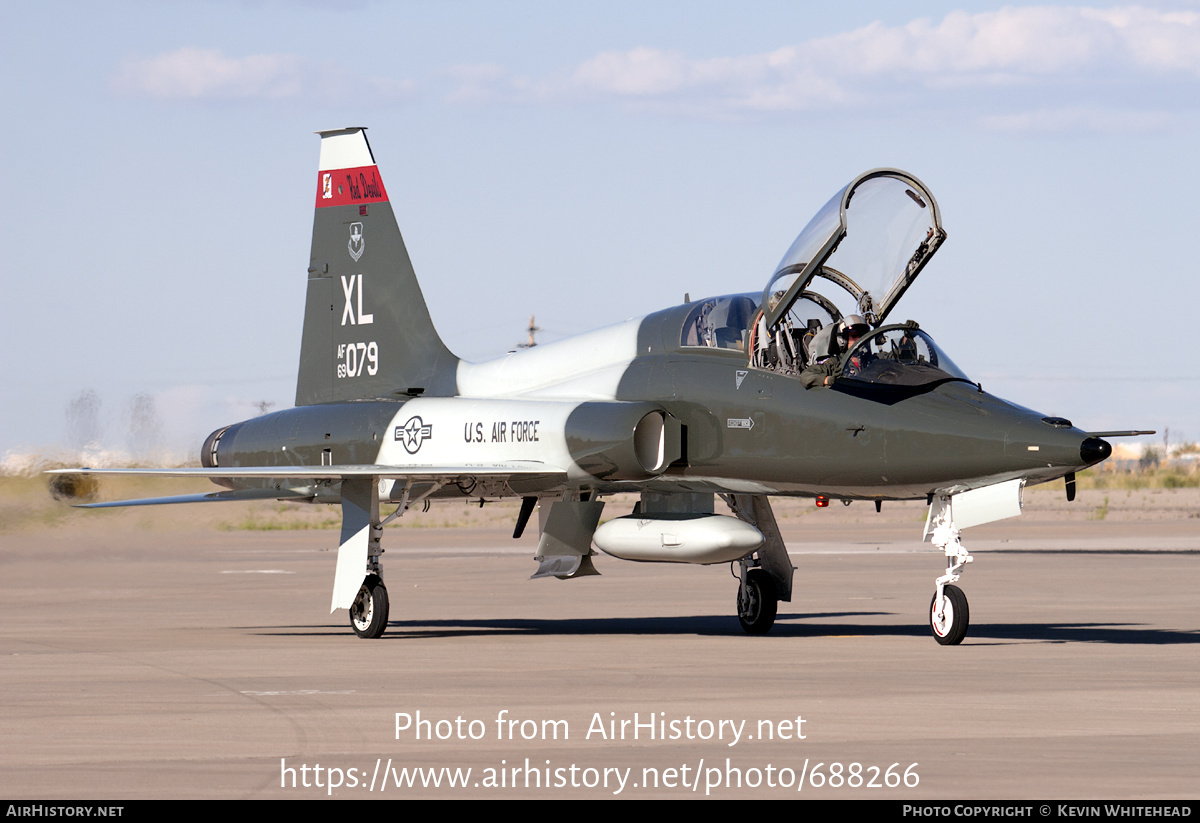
[369, 612]
[950, 619]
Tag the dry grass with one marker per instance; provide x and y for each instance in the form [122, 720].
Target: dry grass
[1158, 478]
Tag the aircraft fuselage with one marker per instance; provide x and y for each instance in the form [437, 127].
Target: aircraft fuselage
[740, 429]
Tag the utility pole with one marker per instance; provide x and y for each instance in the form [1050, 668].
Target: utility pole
[533, 329]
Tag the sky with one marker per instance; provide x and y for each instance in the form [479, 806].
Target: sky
[585, 163]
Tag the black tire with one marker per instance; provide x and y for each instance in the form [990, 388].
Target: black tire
[952, 628]
[757, 603]
[369, 612]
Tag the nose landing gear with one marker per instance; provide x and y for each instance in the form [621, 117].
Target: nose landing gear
[949, 616]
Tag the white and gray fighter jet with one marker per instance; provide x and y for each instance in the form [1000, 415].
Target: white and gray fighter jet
[801, 390]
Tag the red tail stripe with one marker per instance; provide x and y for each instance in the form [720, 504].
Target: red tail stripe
[349, 187]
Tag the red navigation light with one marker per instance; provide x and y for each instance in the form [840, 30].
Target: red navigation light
[822, 501]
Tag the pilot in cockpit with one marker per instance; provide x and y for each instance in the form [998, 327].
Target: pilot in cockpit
[822, 359]
[826, 348]
[851, 330]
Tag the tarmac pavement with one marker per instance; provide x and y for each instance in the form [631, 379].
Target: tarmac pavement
[172, 664]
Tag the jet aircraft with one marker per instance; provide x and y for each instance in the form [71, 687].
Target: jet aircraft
[708, 399]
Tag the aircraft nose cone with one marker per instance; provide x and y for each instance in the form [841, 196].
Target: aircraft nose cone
[1093, 450]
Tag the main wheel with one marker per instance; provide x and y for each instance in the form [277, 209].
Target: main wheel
[369, 613]
[756, 602]
[950, 627]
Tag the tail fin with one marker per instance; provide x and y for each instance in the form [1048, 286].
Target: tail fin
[367, 330]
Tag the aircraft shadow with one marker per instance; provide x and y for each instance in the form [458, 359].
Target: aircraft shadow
[786, 625]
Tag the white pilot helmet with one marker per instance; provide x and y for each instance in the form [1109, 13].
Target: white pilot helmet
[853, 322]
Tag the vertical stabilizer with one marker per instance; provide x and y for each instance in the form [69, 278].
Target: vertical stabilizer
[367, 330]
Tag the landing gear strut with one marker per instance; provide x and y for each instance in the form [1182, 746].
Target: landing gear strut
[358, 581]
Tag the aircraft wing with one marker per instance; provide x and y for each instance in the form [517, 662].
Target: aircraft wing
[210, 497]
[415, 472]
[425, 471]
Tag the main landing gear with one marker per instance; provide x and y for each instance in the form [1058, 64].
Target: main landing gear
[765, 577]
[369, 612]
[756, 600]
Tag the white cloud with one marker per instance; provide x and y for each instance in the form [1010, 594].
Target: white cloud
[1015, 59]
[207, 73]
[482, 83]
[1034, 68]
[638, 72]
[192, 73]
[1029, 42]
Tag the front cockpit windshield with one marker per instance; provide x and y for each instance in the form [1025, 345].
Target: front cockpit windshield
[899, 356]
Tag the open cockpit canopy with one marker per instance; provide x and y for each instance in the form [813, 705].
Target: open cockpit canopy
[871, 240]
